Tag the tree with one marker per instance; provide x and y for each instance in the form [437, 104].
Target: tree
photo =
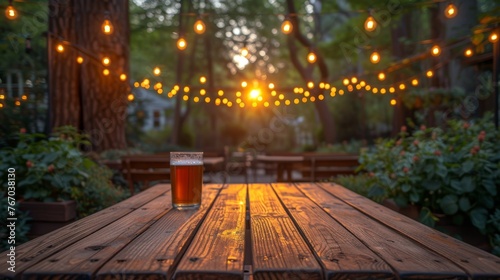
[82, 95]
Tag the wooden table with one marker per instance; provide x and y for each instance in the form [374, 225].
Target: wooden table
[284, 165]
[261, 231]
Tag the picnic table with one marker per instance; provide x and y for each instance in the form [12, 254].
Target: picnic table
[250, 231]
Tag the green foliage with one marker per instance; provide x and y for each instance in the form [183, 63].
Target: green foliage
[454, 172]
[54, 169]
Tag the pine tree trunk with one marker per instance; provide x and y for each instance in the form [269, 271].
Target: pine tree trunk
[80, 94]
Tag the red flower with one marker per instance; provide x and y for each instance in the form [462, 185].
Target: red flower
[22, 130]
[406, 169]
[371, 174]
[415, 142]
[474, 150]
[50, 168]
[403, 128]
[437, 152]
[416, 158]
[423, 127]
[399, 142]
[29, 164]
[466, 125]
[481, 136]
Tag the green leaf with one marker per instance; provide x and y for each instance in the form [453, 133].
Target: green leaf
[490, 186]
[449, 204]
[478, 217]
[414, 197]
[467, 166]
[442, 171]
[455, 184]
[28, 180]
[406, 188]
[431, 185]
[464, 204]
[467, 184]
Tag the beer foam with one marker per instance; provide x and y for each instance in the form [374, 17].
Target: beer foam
[187, 162]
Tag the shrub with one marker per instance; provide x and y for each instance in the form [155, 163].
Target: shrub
[455, 172]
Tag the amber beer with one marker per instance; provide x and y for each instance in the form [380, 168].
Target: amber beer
[186, 174]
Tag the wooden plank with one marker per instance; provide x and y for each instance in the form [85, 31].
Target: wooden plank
[278, 249]
[342, 255]
[43, 247]
[217, 250]
[408, 258]
[478, 263]
[81, 259]
[152, 254]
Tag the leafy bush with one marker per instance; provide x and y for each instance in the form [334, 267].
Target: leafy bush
[454, 172]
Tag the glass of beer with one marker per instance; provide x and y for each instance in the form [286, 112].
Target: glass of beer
[186, 176]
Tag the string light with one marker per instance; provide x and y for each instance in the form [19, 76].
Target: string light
[468, 52]
[123, 77]
[106, 61]
[414, 82]
[370, 24]
[79, 60]
[393, 102]
[429, 73]
[381, 76]
[345, 81]
[107, 27]
[203, 79]
[60, 48]
[311, 57]
[435, 51]
[199, 27]
[156, 71]
[181, 44]
[130, 97]
[354, 80]
[244, 51]
[105, 72]
[286, 26]
[402, 86]
[450, 11]
[493, 38]
[375, 57]
[11, 12]
[244, 84]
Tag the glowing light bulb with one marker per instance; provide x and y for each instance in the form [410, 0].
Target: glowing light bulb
[105, 72]
[468, 52]
[311, 57]
[203, 79]
[493, 37]
[130, 97]
[244, 84]
[199, 27]
[123, 77]
[370, 24]
[450, 11]
[393, 102]
[354, 80]
[310, 84]
[11, 13]
[435, 51]
[106, 61]
[287, 27]
[107, 27]
[345, 81]
[429, 73]
[181, 44]
[402, 86]
[414, 82]
[381, 76]
[375, 57]
[157, 71]
[60, 48]
[79, 60]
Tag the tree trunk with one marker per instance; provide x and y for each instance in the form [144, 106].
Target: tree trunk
[80, 94]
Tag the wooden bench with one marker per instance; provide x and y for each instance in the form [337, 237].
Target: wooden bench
[322, 167]
[145, 169]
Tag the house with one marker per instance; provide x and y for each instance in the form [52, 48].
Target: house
[155, 110]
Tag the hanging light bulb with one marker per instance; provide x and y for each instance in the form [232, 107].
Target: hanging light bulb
[60, 48]
[203, 79]
[157, 71]
[286, 26]
[79, 60]
[450, 11]
[345, 81]
[199, 26]
[311, 57]
[493, 36]
[435, 51]
[370, 24]
[181, 44]
[107, 27]
[381, 76]
[429, 73]
[106, 61]
[123, 77]
[375, 57]
[468, 52]
[414, 82]
[11, 12]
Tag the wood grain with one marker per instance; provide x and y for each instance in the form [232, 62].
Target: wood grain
[34, 251]
[217, 250]
[152, 254]
[478, 263]
[342, 255]
[84, 257]
[278, 249]
[408, 258]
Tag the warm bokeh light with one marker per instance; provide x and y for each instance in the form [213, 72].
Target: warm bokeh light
[186, 89]
[60, 48]
[24, 97]
[393, 102]
[203, 79]
[106, 61]
[244, 84]
[310, 84]
[244, 52]
[199, 27]
[130, 97]
[157, 71]
[429, 73]
[311, 57]
[107, 27]
[136, 84]
[493, 36]
[271, 86]
[436, 50]
[254, 93]
[381, 76]
[370, 24]
[220, 93]
[345, 81]
[414, 82]
[450, 11]
[354, 80]
[286, 27]
[468, 52]
[11, 12]
[105, 72]
[123, 77]
[402, 86]
[17, 103]
[79, 60]
[375, 57]
[181, 44]
[203, 92]
[392, 90]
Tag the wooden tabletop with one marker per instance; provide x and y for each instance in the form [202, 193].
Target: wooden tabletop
[261, 231]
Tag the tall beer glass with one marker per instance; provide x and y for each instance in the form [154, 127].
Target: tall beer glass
[186, 175]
